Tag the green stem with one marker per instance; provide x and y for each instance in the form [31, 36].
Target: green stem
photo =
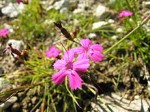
[73, 98]
[126, 36]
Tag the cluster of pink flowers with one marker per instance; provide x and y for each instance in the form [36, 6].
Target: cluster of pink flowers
[75, 61]
[4, 32]
[125, 13]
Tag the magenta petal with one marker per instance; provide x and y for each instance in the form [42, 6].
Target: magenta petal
[96, 56]
[52, 52]
[85, 42]
[96, 47]
[74, 80]
[48, 54]
[59, 77]
[78, 50]
[125, 13]
[81, 65]
[82, 56]
[4, 32]
[69, 56]
[59, 64]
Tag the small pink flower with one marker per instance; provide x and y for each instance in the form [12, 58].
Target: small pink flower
[88, 49]
[69, 68]
[125, 13]
[4, 32]
[18, 1]
[52, 52]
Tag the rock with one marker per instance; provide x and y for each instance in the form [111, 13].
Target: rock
[92, 35]
[3, 83]
[146, 4]
[111, 21]
[137, 97]
[87, 3]
[37, 110]
[114, 37]
[119, 30]
[25, 103]
[15, 107]
[84, 5]
[8, 103]
[34, 100]
[64, 10]
[58, 5]
[115, 103]
[101, 12]
[13, 9]
[26, 100]
[99, 24]
[46, 3]
[21, 94]
[17, 44]
[80, 9]
[76, 22]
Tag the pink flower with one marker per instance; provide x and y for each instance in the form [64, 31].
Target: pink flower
[69, 68]
[125, 13]
[88, 49]
[52, 52]
[18, 1]
[4, 32]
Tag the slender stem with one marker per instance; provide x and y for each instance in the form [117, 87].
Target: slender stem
[126, 36]
[76, 42]
[66, 84]
[63, 46]
[91, 86]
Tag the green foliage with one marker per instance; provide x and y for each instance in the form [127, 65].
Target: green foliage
[30, 24]
[55, 15]
[35, 25]
[132, 48]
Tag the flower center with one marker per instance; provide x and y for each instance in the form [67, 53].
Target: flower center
[86, 49]
[52, 52]
[69, 65]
